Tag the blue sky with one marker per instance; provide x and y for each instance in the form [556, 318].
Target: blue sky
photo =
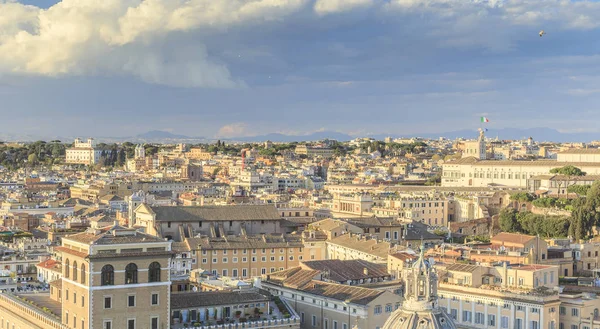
[233, 68]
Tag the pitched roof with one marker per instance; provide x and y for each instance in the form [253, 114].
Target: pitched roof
[346, 270]
[216, 213]
[513, 238]
[113, 235]
[371, 246]
[299, 279]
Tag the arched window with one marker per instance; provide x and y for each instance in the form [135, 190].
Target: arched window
[108, 275]
[154, 272]
[67, 268]
[131, 272]
[74, 271]
[82, 273]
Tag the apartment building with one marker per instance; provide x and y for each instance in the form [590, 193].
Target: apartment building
[247, 256]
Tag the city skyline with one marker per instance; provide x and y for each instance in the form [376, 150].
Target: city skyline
[358, 67]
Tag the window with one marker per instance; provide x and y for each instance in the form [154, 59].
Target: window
[574, 312]
[225, 260]
[533, 325]
[154, 272]
[74, 271]
[107, 302]
[130, 323]
[504, 322]
[454, 314]
[82, 301]
[519, 324]
[563, 310]
[107, 324]
[108, 275]
[491, 320]
[83, 273]
[467, 316]
[479, 318]
[377, 309]
[154, 299]
[234, 272]
[131, 301]
[154, 323]
[67, 267]
[314, 321]
[74, 298]
[131, 272]
[388, 308]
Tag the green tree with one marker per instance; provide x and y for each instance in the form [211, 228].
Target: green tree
[580, 190]
[522, 197]
[568, 171]
[508, 220]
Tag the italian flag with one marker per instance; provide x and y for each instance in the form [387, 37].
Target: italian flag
[484, 119]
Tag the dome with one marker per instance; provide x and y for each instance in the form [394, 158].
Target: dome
[420, 309]
[433, 319]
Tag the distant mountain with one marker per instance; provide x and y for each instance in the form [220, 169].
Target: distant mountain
[158, 134]
[281, 138]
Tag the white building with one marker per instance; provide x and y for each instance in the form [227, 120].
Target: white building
[83, 152]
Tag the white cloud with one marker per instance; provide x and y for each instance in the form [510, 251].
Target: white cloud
[135, 37]
[236, 129]
[76, 37]
[324, 7]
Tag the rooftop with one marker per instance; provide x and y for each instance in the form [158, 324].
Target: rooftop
[215, 298]
[216, 213]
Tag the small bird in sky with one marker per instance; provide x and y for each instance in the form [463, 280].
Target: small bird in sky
[542, 32]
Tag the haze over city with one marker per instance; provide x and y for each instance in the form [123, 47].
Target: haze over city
[227, 69]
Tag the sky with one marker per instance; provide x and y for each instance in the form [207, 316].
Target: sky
[231, 68]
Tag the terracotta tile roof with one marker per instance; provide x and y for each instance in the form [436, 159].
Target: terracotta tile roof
[403, 256]
[49, 264]
[512, 238]
[71, 252]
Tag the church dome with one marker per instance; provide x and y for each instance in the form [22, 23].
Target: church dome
[420, 309]
[431, 319]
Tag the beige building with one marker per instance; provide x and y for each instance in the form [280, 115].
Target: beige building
[250, 256]
[311, 151]
[113, 278]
